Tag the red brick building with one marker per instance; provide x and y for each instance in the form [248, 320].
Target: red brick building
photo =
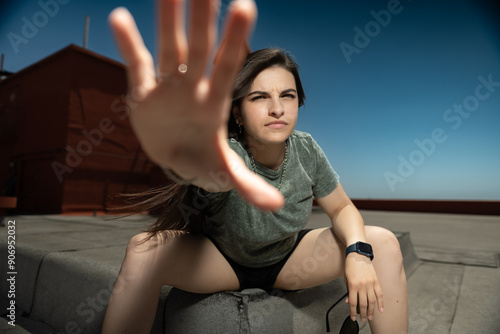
[65, 139]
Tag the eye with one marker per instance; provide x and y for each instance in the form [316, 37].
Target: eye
[289, 95]
[255, 98]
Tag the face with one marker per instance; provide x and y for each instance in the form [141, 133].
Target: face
[270, 108]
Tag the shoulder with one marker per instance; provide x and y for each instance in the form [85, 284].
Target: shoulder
[236, 146]
[303, 141]
[300, 135]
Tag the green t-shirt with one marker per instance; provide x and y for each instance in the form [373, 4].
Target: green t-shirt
[255, 238]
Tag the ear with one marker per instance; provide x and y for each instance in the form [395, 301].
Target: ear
[237, 115]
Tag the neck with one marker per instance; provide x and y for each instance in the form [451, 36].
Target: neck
[269, 155]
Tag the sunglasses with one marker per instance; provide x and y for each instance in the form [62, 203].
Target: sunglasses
[349, 326]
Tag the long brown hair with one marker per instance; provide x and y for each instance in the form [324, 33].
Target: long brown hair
[181, 208]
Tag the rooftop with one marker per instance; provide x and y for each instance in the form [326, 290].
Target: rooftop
[66, 266]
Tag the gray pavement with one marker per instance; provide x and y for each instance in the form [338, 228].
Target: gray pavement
[66, 267]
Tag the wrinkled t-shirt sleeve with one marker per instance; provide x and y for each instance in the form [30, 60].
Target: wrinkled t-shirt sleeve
[325, 178]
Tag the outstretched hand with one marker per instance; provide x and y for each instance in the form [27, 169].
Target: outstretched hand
[180, 117]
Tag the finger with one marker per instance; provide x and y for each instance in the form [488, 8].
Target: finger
[243, 14]
[202, 35]
[130, 43]
[353, 297]
[172, 35]
[252, 187]
[347, 287]
[363, 305]
[371, 305]
[380, 297]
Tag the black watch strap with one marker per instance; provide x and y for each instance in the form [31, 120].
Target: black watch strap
[360, 248]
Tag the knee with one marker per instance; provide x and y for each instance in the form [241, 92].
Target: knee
[386, 245]
[139, 248]
[138, 243]
[145, 247]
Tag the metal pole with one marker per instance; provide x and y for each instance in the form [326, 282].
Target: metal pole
[86, 33]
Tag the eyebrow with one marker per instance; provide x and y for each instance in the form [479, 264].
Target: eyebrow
[259, 92]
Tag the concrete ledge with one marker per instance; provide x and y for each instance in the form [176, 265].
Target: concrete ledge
[410, 259]
[255, 311]
[469, 258]
[72, 292]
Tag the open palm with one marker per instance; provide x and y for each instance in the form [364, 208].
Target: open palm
[179, 118]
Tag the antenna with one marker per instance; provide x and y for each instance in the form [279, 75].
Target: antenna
[86, 32]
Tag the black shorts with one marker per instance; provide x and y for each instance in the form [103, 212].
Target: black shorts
[261, 277]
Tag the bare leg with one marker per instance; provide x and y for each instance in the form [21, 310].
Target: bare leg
[188, 262]
[320, 258]
[390, 271]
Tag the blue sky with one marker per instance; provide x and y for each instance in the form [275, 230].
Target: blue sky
[371, 95]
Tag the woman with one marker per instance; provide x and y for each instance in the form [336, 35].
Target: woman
[181, 120]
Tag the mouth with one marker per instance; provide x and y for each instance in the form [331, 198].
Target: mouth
[276, 124]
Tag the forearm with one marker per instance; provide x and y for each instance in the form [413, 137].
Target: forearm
[348, 225]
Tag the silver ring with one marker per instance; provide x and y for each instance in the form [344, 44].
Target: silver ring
[182, 68]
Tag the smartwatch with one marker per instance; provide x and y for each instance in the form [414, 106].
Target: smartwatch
[361, 248]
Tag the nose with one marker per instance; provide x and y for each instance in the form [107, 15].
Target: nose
[276, 108]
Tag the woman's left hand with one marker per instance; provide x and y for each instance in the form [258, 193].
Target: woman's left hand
[363, 286]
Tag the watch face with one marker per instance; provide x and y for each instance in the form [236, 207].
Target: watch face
[365, 248]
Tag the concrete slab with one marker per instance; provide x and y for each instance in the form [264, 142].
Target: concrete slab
[410, 258]
[50, 224]
[433, 291]
[204, 313]
[73, 288]
[311, 305]
[27, 262]
[256, 311]
[445, 231]
[37, 226]
[86, 253]
[465, 257]
[479, 302]
[269, 312]
[79, 240]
